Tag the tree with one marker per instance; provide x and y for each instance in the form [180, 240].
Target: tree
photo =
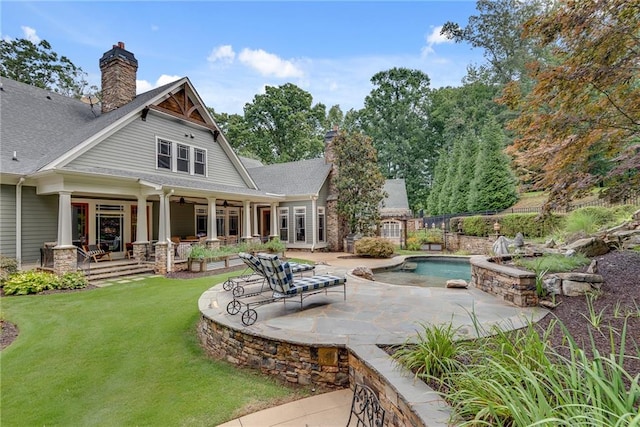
[359, 182]
[498, 30]
[38, 65]
[580, 125]
[283, 125]
[395, 116]
[494, 185]
[464, 174]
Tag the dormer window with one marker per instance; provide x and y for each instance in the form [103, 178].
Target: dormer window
[187, 159]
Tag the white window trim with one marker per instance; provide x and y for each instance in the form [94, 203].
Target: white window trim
[174, 157]
[295, 223]
[284, 212]
[391, 226]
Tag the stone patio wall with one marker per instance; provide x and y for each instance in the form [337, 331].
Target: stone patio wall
[325, 367]
[511, 284]
[470, 244]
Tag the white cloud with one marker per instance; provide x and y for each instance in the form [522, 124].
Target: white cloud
[433, 39]
[30, 34]
[223, 53]
[269, 64]
[144, 86]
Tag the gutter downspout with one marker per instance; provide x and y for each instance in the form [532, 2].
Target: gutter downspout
[19, 222]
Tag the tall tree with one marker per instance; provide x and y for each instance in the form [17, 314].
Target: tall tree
[395, 116]
[580, 125]
[284, 126]
[439, 177]
[464, 174]
[359, 183]
[498, 30]
[494, 185]
[38, 65]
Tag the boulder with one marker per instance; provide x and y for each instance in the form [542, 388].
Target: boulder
[553, 284]
[571, 288]
[593, 267]
[364, 272]
[501, 246]
[578, 284]
[457, 284]
[581, 277]
[550, 244]
[590, 247]
[518, 242]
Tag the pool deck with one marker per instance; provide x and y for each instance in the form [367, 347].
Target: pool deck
[373, 314]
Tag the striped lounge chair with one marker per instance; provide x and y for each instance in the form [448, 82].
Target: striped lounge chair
[254, 273]
[284, 286]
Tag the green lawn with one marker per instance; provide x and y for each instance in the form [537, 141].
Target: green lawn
[120, 355]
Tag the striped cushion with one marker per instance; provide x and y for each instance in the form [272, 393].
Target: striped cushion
[252, 262]
[275, 272]
[306, 284]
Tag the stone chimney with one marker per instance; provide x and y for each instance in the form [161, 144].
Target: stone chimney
[329, 155]
[118, 67]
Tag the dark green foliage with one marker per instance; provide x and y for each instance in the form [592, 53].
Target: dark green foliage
[529, 224]
[494, 185]
[33, 282]
[359, 182]
[464, 174]
[38, 65]
[375, 247]
[8, 266]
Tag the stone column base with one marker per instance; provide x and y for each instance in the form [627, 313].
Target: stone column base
[140, 251]
[65, 259]
[164, 257]
[213, 244]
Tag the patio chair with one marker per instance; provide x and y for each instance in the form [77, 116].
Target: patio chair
[283, 287]
[96, 253]
[365, 408]
[254, 273]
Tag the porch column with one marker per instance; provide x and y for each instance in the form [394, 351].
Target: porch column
[274, 220]
[65, 253]
[212, 227]
[162, 233]
[256, 233]
[167, 216]
[142, 228]
[247, 220]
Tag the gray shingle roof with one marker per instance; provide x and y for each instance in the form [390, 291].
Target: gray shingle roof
[293, 178]
[396, 202]
[41, 126]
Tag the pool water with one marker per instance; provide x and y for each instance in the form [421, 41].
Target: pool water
[426, 272]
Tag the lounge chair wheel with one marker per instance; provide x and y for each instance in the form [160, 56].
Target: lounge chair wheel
[234, 307]
[238, 290]
[249, 317]
[227, 285]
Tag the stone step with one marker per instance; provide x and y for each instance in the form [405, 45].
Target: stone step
[120, 273]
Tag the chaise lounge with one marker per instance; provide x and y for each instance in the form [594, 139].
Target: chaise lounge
[283, 286]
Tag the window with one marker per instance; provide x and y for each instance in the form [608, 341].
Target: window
[183, 158]
[300, 214]
[199, 161]
[321, 225]
[201, 220]
[164, 154]
[284, 224]
[234, 222]
[391, 229]
[220, 222]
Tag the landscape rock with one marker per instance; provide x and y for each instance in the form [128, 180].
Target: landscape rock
[593, 267]
[518, 242]
[590, 247]
[501, 246]
[364, 272]
[457, 284]
[581, 277]
[636, 215]
[572, 288]
[553, 285]
[550, 244]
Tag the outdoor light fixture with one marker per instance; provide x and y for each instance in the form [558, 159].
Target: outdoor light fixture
[496, 227]
[182, 200]
[225, 204]
[144, 113]
[215, 135]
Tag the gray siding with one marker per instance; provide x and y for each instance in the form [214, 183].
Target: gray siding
[292, 217]
[8, 220]
[134, 149]
[39, 223]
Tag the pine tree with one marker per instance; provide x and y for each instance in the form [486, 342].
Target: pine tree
[494, 185]
[464, 174]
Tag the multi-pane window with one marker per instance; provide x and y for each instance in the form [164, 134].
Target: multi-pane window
[181, 158]
[391, 229]
[220, 223]
[182, 164]
[164, 154]
[300, 214]
[283, 223]
[321, 225]
[199, 161]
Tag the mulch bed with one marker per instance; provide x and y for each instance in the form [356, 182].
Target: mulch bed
[621, 293]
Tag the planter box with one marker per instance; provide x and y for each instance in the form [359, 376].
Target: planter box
[431, 247]
[217, 263]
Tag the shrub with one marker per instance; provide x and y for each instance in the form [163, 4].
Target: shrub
[33, 282]
[413, 243]
[375, 247]
[529, 224]
[8, 266]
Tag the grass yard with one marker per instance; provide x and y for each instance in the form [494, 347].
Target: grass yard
[121, 355]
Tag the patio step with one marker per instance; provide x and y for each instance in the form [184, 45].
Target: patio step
[108, 270]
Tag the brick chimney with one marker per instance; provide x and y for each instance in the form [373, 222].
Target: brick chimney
[118, 67]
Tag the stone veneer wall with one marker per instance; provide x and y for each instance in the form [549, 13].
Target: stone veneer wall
[511, 284]
[324, 367]
[65, 259]
[471, 244]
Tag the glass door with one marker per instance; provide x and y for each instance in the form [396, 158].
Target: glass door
[109, 227]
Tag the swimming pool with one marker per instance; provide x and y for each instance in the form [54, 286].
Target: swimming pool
[432, 271]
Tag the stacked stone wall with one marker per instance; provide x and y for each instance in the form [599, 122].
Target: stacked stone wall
[511, 284]
[473, 245]
[325, 367]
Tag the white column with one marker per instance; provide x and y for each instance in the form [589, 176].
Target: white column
[64, 219]
[247, 220]
[212, 227]
[162, 232]
[167, 217]
[274, 220]
[141, 227]
[255, 220]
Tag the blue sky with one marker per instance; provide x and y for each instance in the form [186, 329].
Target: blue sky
[232, 50]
